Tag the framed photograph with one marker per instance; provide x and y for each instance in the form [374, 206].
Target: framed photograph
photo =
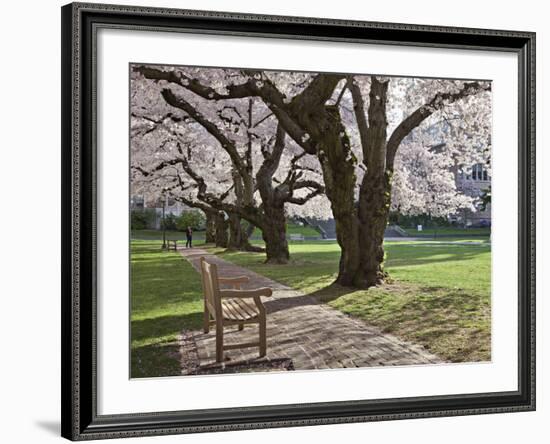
[279, 221]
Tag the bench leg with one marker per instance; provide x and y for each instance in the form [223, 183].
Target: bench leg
[219, 342]
[206, 320]
[263, 341]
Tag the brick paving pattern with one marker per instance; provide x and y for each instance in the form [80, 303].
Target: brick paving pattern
[313, 335]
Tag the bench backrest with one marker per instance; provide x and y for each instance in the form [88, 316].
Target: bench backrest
[210, 287]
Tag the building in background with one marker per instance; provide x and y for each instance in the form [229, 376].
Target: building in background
[171, 206]
[475, 183]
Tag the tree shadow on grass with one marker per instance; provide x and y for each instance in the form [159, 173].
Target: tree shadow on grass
[149, 329]
[159, 356]
[451, 322]
[161, 260]
[397, 256]
[155, 360]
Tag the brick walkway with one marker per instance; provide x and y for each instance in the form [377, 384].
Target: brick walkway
[311, 334]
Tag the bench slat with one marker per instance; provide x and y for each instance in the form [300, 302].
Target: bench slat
[250, 310]
[238, 310]
[229, 311]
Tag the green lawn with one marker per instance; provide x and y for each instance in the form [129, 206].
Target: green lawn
[157, 235]
[166, 297]
[438, 296]
[292, 228]
[199, 235]
[448, 231]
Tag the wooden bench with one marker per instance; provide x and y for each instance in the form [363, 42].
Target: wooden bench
[174, 242]
[297, 237]
[232, 307]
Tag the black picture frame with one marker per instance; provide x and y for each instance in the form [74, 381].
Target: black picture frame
[79, 395]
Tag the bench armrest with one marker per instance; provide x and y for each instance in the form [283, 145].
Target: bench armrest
[246, 293]
[233, 280]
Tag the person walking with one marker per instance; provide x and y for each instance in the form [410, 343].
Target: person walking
[189, 232]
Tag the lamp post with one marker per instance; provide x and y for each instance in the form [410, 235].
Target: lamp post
[434, 222]
[164, 219]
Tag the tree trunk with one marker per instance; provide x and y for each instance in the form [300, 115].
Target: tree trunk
[234, 232]
[374, 205]
[273, 222]
[210, 234]
[250, 230]
[338, 165]
[274, 234]
[238, 237]
[341, 195]
[375, 191]
[221, 230]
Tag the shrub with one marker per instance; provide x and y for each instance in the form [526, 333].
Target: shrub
[192, 218]
[425, 220]
[169, 223]
[141, 219]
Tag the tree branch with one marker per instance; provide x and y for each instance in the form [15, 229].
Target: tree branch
[227, 145]
[177, 77]
[257, 85]
[360, 117]
[160, 166]
[339, 99]
[267, 116]
[306, 198]
[271, 161]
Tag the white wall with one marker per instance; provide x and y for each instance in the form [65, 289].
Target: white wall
[29, 277]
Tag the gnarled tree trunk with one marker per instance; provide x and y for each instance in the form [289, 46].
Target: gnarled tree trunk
[338, 165]
[210, 234]
[238, 236]
[374, 207]
[375, 190]
[274, 234]
[221, 230]
[340, 191]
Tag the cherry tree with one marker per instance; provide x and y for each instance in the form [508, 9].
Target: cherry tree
[157, 173]
[355, 126]
[249, 136]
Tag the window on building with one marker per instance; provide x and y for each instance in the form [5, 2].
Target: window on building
[137, 202]
[479, 172]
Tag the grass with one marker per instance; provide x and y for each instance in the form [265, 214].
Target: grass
[157, 235]
[198, 236]
[292, 228]
[166, 297]
[438, 296]
[448, 232]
